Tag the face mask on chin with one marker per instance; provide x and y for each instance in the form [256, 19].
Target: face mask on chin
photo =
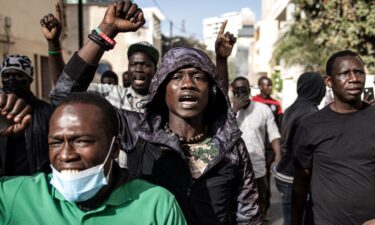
[84, 185]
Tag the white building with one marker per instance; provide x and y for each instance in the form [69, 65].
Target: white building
[241, 25]
[276, 15]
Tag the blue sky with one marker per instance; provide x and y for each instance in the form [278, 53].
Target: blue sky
[193, 12]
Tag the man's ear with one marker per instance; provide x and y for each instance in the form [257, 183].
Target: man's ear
[328, 81]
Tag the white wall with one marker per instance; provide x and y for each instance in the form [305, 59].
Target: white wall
[25, 32]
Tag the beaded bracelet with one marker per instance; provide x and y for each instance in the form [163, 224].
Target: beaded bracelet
[105, 37]
[51, 52]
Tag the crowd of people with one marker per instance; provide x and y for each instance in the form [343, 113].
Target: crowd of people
[170, 146]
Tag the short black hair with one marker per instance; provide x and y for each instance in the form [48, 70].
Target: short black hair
[240, 78]
[331, 60]
[109, 74]
[263, 78]
[109, 115]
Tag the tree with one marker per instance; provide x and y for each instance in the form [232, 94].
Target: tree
[323, 27]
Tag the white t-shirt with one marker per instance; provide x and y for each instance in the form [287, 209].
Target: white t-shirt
[254, 122]
[121, 97]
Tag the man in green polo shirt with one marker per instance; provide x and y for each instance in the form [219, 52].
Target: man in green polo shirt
[86, 185]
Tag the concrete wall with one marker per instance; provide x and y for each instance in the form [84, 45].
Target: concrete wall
[25, 32]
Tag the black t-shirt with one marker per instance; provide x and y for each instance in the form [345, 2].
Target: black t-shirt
[340, 149]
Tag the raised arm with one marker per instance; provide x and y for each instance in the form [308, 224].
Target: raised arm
[122, 16]
[51, 30]
[223, 48]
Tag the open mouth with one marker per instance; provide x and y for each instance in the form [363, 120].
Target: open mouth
[188, 99]
[139, 77]
[139, 80]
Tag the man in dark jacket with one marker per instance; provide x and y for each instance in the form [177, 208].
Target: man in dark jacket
[310, 90]
[27, 152]
[187, 140]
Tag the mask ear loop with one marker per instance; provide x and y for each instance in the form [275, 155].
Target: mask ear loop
[107, 157]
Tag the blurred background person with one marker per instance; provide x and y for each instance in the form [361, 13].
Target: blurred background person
[109, 77]
[126, 79]
[311, 90]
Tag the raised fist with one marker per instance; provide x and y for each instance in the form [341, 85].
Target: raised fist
[122, 16]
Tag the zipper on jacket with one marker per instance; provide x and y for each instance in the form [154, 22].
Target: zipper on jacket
[210, 166]
[193, 181]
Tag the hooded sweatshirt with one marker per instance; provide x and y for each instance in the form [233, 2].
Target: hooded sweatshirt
[225, 193]
[311, 90]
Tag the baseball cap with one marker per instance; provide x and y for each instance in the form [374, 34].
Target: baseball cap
[145, 47]
[21, 63]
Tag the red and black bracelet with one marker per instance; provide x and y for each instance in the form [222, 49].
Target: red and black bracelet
[105, 37]
[102, 39]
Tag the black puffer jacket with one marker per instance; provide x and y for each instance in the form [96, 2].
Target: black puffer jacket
[226, 192]
[36, 137]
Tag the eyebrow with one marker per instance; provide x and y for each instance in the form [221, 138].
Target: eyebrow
[74, 136]
[347, 69]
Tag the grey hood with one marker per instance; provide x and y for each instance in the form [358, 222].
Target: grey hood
[221, 119]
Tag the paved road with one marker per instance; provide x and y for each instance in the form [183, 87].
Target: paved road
[275, 212]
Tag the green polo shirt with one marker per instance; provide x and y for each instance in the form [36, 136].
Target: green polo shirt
[33, 201]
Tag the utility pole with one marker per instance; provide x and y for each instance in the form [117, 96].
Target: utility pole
[183, 26]
[170, 33]
[80, 24]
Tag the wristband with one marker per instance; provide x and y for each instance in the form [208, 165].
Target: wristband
[95, 37]
[105, 37]
[99, 41]
[50, 52]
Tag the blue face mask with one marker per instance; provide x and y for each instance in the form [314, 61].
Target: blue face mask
[83, 185]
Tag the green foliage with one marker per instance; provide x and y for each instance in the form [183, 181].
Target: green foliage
[232, 69]
[277, 81]
[321, 28]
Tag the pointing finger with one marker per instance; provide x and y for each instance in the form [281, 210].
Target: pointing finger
[222, 28]
[58, 11]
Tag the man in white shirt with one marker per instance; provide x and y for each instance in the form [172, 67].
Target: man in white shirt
[255, 120]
